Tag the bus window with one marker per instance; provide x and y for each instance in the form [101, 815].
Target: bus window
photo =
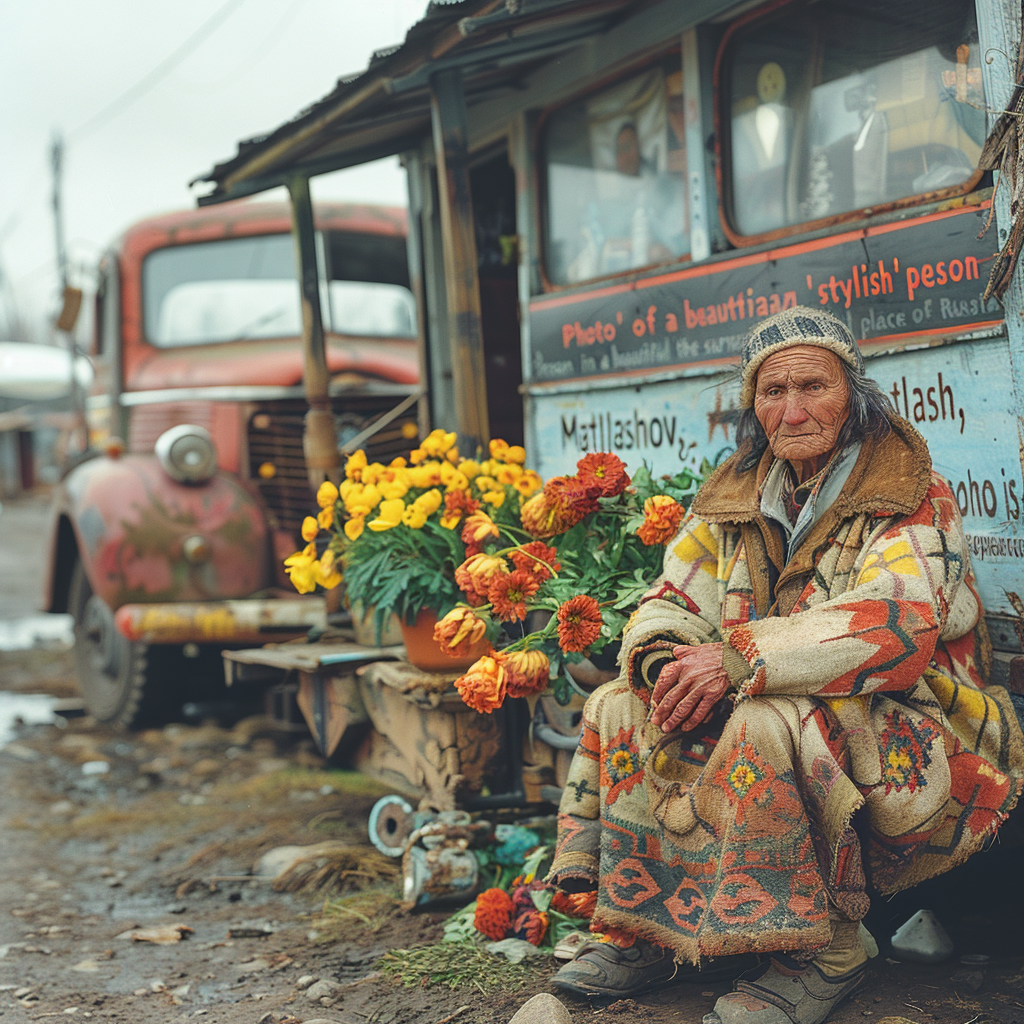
[836, 107]
[616, 178]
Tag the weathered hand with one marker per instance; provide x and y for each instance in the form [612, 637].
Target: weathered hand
[688, 689]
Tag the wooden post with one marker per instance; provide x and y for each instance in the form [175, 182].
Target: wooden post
[448, 112]
[319, 439]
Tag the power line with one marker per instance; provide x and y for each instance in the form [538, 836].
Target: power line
[164, 68]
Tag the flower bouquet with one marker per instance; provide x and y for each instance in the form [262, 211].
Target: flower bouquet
[393, 533]
[595, 547]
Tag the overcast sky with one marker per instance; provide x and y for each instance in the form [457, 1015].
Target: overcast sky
[63, 62]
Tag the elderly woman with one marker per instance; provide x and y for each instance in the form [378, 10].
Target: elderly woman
[802, 704]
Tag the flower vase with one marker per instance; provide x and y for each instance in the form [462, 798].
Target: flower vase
[423, 652]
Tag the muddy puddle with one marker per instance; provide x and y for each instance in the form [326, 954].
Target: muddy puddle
[18, 709]
[36, 631]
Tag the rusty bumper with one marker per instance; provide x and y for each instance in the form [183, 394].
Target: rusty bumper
[251, 621]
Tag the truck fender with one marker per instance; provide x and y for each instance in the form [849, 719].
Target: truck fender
[142, 537]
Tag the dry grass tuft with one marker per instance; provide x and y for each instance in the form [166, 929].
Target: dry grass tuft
[370, 909]
[454, 965]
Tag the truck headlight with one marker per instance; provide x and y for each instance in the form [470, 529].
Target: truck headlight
[187, 454]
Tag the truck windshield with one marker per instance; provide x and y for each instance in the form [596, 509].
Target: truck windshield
[243, 288]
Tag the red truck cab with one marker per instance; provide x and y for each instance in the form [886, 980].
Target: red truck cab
[168, 544]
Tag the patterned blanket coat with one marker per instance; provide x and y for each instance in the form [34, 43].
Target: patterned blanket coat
[863, 737]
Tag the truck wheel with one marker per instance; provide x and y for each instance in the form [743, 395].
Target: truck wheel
[113, 672]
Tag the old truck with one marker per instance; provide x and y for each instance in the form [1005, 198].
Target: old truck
[167, 539]
[604, 195]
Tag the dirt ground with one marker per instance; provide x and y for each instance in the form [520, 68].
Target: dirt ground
[103, 834]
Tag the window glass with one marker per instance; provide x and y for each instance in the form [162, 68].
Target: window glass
[243, 288]
[616, 178]
[839, 106]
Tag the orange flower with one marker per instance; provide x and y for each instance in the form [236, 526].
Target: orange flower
[542, 517]
[493, 914]
[537, 559]
[605, 471]
[528, 672]
[479, 526]
[575, 904]
[458, 632]
[508, 592]
[474, 576]
[574, 497]
[459, 503]
[483, 686]
[579, 623]
[662, 517]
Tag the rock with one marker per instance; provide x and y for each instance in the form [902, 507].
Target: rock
[162, 935]
[95, 767]
[305, 981]
[543, 1008]
[157, 766]
[62, 807]
[323, 989]
[250, 930]
[205, 767]
[21, 752]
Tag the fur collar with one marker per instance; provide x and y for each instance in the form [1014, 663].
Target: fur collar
[890, 477]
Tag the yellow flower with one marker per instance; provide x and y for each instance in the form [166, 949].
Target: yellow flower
[495, 498]
[373, 473]
[327, 494]
[409, 430]
[354, 527]
[498, 449]
[325, 517]
[509, 474]
[302, 569]
[267, 471]
[398, 463]
[370, 495]
[416, 456]
[429, 502]
[529, 483]
[388, 515]
[355, 464]
[427, 475]
[449, 522]
[516, 453]
[413, 517]
[393, 488]
[486, 483]
[453, 456]
[310, 528]
[469, 468]
[327, 574]
[479, 526]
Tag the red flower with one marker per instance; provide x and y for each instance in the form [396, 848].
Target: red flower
[531, 925]
[459, 503]
[604, 471]
[574, 498]
[509, 593]
[483, 686]
[493, 914]
[663, 516]
[579, 623]
[474, 576]
[537, 559]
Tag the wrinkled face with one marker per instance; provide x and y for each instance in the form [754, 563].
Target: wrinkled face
[802, 401]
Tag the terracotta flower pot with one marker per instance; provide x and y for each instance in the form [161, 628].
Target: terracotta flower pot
[424, 653]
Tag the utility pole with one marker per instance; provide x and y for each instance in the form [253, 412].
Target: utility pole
[71, 298]
[57, 166]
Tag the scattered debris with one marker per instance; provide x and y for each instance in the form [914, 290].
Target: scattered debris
[327, 865]
[161, 934]
[922, 939]
[250, 931]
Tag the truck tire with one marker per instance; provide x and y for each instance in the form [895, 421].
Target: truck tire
[115, 674]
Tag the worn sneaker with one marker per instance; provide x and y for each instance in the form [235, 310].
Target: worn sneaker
[604, 969]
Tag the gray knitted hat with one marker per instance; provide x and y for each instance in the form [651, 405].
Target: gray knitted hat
[800, 325]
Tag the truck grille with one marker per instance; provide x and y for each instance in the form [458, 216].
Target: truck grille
[275, 439]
